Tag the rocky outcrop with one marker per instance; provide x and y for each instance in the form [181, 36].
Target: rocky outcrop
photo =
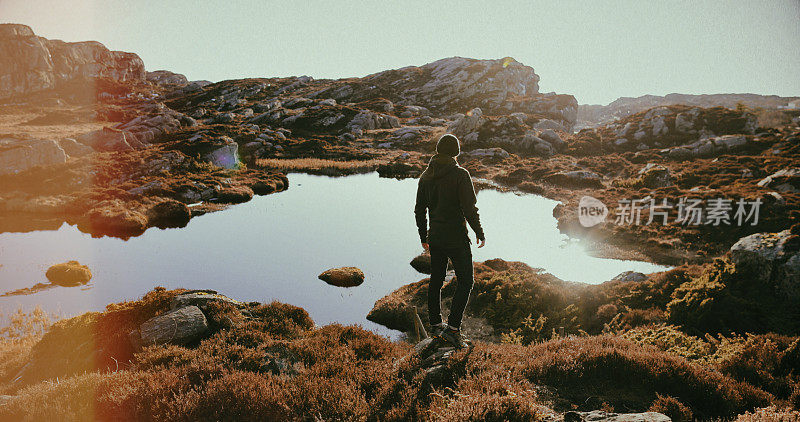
[592, 115]
[456, 84]
[684, 132]
[30, 64]
[514, 132]
[343, 277]
[152, 122]
[165, 77]
[775, 257]
[19, 155]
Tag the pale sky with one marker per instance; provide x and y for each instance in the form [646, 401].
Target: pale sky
[595, 50]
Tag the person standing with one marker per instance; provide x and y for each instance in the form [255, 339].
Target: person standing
[445, 192]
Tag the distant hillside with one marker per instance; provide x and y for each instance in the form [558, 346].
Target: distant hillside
[590, 115]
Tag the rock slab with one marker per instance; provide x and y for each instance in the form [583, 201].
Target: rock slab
[179, 327]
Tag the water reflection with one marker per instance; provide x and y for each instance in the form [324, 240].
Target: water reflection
[275, 246]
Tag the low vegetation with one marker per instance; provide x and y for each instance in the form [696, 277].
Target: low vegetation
[272, 363]
[320, 165]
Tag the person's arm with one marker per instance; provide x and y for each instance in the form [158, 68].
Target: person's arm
[421, 213]
[467, 200]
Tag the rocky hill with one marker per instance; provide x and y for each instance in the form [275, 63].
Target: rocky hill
[156, 138]
[590, 115]
[29, 63]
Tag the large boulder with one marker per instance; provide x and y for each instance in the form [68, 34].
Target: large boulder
[31, 64]
[773, 256]
[551, 137]
[467, 123]
[180, 326]
[20, 155]
[343, 277]
[222, 152]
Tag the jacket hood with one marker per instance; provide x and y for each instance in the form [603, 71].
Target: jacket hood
[439, 166]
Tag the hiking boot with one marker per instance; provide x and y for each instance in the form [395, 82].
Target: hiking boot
[437, 330]
[455, 338]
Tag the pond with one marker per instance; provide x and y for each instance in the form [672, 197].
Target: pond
[274, 246]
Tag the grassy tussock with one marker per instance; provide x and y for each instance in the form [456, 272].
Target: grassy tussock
[320, 165]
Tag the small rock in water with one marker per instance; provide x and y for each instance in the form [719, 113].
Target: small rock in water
[422, 263]
[343, 277]
[69, 274]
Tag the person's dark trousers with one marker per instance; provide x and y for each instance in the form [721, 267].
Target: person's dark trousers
[461, 257]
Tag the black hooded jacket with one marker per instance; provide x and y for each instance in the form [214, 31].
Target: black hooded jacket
[445, 189]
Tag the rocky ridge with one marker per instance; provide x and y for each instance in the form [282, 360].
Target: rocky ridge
[591, 115]
[31, 64]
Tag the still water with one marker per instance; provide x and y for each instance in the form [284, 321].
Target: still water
[274, 246]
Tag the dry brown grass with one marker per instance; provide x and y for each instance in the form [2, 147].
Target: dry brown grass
[320, 165]
[15, 123]
[17, 338]
[770, 414]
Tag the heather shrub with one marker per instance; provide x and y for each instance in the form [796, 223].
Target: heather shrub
[669, 339]
[671, 407]
[604, 366]
[728, 299]
[759, 360]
